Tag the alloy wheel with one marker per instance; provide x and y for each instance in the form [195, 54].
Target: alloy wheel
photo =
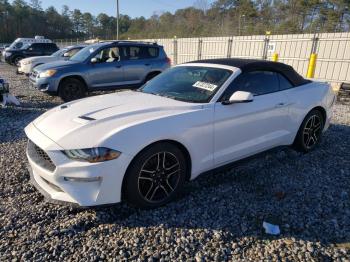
[312, 131]
[159, 177]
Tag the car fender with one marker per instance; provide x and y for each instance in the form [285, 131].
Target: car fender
[68, 74]
[182, 128]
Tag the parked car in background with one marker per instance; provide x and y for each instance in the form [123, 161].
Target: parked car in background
[23, 43]
[26, 65]
[3, 47]
[13, 56]
[5, 96]
[101, 66]
[142, 146]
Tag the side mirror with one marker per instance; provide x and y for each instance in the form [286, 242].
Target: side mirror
[94, 60]
[239, 97]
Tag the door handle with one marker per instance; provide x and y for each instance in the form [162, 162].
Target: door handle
[280, 105]
[118, 66]
[147, 64]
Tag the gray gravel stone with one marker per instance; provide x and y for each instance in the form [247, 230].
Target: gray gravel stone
[218, 217]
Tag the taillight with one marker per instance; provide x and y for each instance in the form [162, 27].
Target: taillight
[168, 60]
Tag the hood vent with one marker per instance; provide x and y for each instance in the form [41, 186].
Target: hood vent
[87, 118]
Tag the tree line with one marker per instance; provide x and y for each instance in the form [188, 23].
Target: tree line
[221, 18]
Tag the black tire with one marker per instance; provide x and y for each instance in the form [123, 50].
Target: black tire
[150, 182]
[310, 132]
[150, 76]
[16, 60]
[71, 89]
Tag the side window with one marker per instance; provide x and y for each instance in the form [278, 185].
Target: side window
[153, 52]
[35, 47]
[284, 82]
[108, 55]
[134, 53]
[51, 47]
[255, 82]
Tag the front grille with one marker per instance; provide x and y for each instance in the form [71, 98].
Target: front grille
[40, 157]
[34, 74]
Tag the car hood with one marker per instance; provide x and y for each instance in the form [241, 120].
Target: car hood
[41, 58]
[106, 113]
[55, 65]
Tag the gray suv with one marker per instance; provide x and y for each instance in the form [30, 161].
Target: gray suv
[102, 66]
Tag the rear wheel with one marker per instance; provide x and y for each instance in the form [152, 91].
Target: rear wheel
[155, 176]
[71, 89]
[310, 132]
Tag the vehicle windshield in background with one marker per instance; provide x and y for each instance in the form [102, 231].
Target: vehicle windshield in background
[59, 52]
[83, 54]
[188, 83]
[16, 45]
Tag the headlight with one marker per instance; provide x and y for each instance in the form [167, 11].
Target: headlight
[26, 62]
[92, 155]
[8, 53]
[47, 73]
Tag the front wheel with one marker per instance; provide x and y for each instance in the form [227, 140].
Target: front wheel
[71, 89]
[310, 132]
[155, 176]
[16, 61]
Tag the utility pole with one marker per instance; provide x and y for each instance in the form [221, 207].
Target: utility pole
[239, 23]
[117, 19]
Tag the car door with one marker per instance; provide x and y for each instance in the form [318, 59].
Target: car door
[137, 64]
[243, 129]
[35, 49]
[108, 69]
[49, 48]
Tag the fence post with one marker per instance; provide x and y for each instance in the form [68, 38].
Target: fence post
[229, 48]
[266, 47]
[313, 58]
[175, 50]
[275, 57]
[200, 44]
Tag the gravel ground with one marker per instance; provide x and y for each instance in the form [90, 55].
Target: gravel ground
[218, 217]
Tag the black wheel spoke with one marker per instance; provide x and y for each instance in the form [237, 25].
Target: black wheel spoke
[159, 176]
[311, 131]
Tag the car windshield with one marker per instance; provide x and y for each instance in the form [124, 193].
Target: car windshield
[193, 84]
[59, 52]
[16, 45]
[83, 54]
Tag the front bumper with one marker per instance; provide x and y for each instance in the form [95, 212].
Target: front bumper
[23, 70]
[103, 181]
[49, 84]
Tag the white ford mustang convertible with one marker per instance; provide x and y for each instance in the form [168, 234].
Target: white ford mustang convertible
[142, 146]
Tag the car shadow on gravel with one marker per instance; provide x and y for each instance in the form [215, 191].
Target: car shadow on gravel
[13, 120]
[307, 195]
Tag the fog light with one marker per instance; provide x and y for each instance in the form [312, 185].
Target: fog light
[82, 179]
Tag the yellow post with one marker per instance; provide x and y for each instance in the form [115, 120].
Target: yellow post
[312, 66]
[275, 57]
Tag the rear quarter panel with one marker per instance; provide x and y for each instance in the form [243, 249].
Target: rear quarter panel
[303, 99]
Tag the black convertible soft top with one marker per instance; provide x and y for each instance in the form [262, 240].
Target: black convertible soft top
[248, 65]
